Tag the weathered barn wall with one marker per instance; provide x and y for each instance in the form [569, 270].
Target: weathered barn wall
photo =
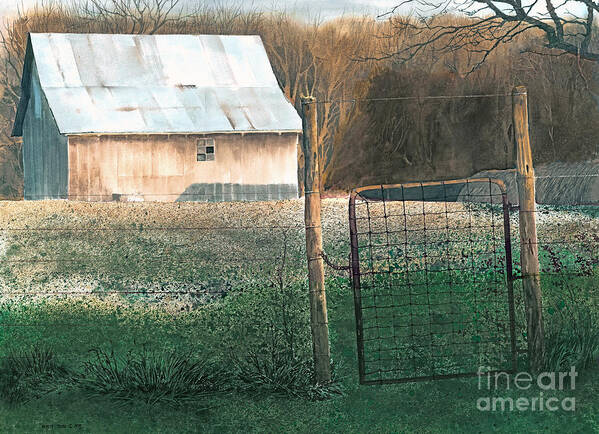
[253, 166]
[45, 164]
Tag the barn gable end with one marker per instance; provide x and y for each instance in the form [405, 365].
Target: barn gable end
[45, 154]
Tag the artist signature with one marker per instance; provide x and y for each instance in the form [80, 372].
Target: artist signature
[61, 425]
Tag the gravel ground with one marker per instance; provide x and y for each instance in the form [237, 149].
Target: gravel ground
[204, 249]
[76, 249]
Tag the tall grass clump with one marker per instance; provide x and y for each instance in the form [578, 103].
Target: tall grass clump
[31, 374]
[282, 374]
[150, 377]
[572, 332]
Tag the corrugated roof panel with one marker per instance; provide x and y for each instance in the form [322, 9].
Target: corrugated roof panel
[255, 55]
[160, 84]
[259, 115]
[269, 98]
[68, 65]
[70, 106]
[98, 98]
[233, 108]
[130, 70]
[148, 63]
[83, 56]
[111, 61]
[208, 111]
[47, 64]
[171, 105]
[156, 117]
[179, 65]
[240, 63]
[216, 57]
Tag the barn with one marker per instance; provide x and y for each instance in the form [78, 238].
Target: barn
[154, 117]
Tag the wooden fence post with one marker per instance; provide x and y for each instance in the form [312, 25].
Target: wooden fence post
[529, 251]
[318, 301]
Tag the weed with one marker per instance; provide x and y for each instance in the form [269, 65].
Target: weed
[28, 375]
[169, 378]
[572, 333]
[282, 374]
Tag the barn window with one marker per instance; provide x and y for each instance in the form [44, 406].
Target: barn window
[205, 150]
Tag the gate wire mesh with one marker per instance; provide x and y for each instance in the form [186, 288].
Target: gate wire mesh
[431, 272]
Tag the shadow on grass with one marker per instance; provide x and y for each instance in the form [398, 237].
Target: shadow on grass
[157, 378]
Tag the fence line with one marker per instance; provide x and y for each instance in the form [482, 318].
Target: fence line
[150, 228]
[410, 98]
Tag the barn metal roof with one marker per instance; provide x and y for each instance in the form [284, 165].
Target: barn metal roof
[102, 83]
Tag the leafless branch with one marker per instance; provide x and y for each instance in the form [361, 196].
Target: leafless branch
[481, 26]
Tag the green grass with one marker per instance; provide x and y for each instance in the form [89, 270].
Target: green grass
[434, 407]
[439, 406]
[263, 389]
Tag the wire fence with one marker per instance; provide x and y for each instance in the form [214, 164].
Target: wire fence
[437, 279]
[568, 243]
[75, 276]
[437, 295]
[434, 245]
[429, 276]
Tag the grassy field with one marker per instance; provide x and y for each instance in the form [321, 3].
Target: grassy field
[208, 281]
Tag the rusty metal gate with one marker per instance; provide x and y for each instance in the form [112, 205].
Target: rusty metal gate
[432, 278]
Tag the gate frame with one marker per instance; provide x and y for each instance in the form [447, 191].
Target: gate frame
[355, 277]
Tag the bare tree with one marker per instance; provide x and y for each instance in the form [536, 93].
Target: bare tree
[319, 60]
[131, 16]
[479, 27]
